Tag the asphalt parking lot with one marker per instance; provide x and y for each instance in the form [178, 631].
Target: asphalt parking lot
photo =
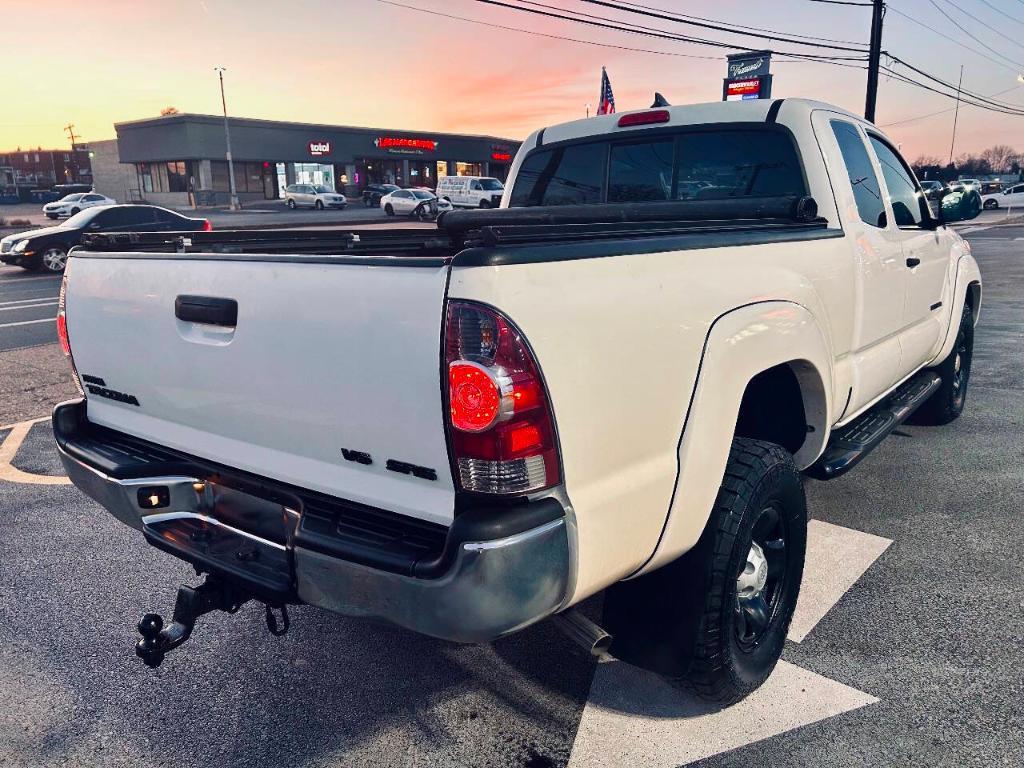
[906, 649]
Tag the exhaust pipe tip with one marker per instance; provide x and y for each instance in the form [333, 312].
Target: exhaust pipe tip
[585, 633]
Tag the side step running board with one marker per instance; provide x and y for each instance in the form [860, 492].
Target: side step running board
[851, 443]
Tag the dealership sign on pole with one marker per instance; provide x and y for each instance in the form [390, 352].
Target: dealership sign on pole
[747, 76]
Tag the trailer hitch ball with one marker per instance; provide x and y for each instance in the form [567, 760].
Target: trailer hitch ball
[148, 648]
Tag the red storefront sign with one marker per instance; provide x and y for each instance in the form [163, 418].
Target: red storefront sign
[501, 157]
[737, 90]
[397, 143]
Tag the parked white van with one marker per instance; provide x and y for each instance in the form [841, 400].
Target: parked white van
[471, 191]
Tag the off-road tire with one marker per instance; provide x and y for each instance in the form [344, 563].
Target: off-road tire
[948, 401]
[682, 621]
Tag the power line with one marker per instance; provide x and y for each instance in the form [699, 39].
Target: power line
[965, 96]
[658, 34]
[544, 34]
[954, 40]
[717, 26]
[987, 26]
[737, 24]
[967, 32]
[1001, 12]
[946, 84]
[939, 112]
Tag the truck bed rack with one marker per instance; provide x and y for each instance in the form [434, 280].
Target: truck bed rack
[457, 230]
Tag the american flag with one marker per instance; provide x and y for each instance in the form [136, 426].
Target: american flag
[606, 105]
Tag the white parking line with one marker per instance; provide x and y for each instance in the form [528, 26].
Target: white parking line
[27, 322]
[634, 718]
[29, 306]
[27, 301]
[9, 449]
[17, 280]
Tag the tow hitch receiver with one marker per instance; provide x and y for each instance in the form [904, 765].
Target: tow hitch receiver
[215, 594]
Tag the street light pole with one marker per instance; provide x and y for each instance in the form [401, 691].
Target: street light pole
[227, 139]
[956, 113]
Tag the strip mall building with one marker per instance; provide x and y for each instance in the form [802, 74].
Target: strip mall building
[175, 159]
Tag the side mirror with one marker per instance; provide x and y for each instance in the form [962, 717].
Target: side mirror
[960, 206]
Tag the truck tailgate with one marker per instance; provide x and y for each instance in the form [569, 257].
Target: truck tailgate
[329, 365]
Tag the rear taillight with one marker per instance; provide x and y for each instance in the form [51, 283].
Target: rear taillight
[207, 226]
[502, 431]
[62, 333]
[644, 118]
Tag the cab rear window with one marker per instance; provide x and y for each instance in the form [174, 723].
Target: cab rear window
[685, 165]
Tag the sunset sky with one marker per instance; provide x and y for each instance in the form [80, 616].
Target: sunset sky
[365, 62]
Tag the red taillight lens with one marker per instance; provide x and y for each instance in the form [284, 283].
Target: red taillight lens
[207, 226]
[644, 118]
[62, 333]
[502, 431]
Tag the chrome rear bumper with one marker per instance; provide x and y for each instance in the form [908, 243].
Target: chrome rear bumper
[485, 588]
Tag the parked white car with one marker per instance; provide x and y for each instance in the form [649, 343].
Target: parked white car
[73, 203]
[317, 196]
[1011, 197]
[467, 429]
[414, 202]
[471, 191]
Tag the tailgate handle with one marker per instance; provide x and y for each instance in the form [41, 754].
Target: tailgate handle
[210, 310]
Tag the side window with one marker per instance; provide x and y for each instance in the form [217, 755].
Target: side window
[568, 175]
[475, 186]
[904, 196]
[91, 198]
[866, 189]
[640, 172]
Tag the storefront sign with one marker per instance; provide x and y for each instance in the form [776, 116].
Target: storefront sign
[737, 90]
[747, 76]
[501, 157]
[401, 146]
[319, 148]
[748, 64]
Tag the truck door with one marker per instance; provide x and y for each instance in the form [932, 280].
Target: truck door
[926, 258]
[880, 283]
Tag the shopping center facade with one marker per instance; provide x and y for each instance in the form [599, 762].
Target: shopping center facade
[180, 159]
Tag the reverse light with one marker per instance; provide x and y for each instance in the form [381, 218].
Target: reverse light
[62, 333]
[643, 118]
[502, 431]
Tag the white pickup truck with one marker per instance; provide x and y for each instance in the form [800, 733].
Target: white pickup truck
[616, 382]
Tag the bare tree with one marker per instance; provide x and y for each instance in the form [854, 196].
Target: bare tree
[168, 111]
[1001, 158]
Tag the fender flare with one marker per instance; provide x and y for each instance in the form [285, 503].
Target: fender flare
[968, 274]
[739, 345]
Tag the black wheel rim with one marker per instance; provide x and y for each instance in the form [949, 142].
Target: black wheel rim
[961, 367]
[756, 610]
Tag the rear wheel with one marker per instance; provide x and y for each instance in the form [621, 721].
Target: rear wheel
[389, 210]
[53, 259]
[991, 205]
[948, 401]
[715, 620]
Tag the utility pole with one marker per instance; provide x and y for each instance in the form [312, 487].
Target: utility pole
[874, 58]
[956, 113]
[70, 128]
[227, 138]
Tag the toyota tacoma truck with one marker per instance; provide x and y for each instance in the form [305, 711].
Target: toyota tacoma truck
[614, 383]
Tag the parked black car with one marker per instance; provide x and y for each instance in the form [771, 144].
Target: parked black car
[374, 192]
[47, 249]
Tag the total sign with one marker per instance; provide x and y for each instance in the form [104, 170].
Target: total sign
[319, 148]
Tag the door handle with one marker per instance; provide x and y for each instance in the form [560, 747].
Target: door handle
[210, 310]
[913, 261]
